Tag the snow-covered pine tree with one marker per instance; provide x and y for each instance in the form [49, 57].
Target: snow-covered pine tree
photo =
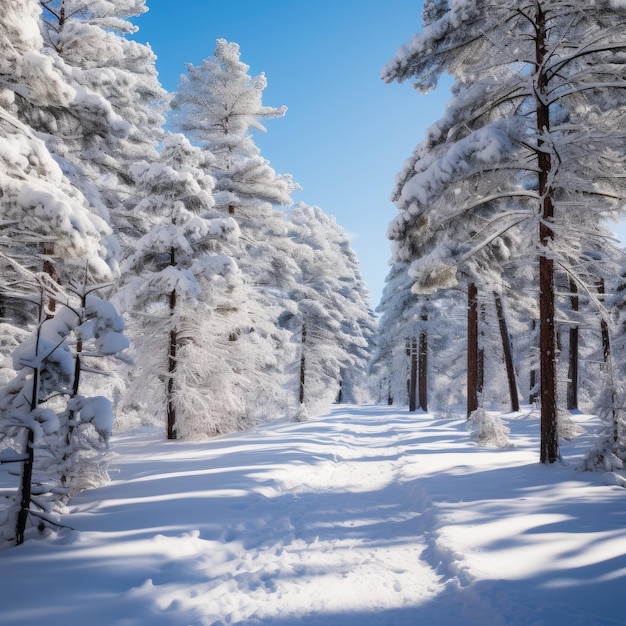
[47, 224]
[543, 97]
[49, 232]
[399, 311]
[423, 233]
[332, 322]
[199, 353]
[218, 105]
[115, 118]
[66, 431]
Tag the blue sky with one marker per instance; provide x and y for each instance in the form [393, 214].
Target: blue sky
[346, 133]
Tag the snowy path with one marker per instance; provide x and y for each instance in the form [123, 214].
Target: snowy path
[365, 517]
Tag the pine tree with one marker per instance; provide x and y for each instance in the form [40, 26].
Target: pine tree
[218, 105]
[66, 432]
[49, 235]
[47, 222]
[175, 283]
[398, 324]
[115, 118]
[333, 322]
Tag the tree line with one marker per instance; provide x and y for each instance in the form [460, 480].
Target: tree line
[151, 273]
[503, 259]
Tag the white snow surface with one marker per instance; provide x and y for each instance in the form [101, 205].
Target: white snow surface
[369, 516]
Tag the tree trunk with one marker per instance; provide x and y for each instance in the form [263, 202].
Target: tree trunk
[532, 383]
[79, 348]
[171, 360]
[72, 413]
[606, 341]
[472, 349]
[480, 377]
[50, 269]
[25, 487]
[547, 343]
[171, 371]
[547, 348]
[572, 369]
[29, 462]
[413, 376]
[508, 353]
[302, 364]
[604, 329]
[423, 366]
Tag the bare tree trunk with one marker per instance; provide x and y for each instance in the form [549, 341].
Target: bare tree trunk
[27, 467]
[547, 343]
[423, 366]
[302, 364]
[472, 349]
[171, 370]
[572, 368]
[480, 378]
[532, 383]
[25, 487]
[79, 347]
[412, 352]
[49, 306]
[606, 341]
[75, 390]
[547, 347]
[171, 359]
[604, 329]
[508, 353]
[171, 362]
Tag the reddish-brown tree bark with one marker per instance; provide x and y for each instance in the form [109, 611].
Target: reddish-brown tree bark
[508, 354]
[547, 340]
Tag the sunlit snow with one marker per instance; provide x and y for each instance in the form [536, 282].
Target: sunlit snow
[367, 516]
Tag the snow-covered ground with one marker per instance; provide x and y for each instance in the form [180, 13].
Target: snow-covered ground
[366, 517]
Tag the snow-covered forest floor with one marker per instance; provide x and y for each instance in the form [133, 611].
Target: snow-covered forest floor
[367, 516]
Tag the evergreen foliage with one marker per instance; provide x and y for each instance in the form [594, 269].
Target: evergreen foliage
[210, 267]
[527, 150]
[333, 322]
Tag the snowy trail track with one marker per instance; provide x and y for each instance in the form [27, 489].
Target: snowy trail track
[365, 517]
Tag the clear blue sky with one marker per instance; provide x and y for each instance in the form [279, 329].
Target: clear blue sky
[346, 133]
